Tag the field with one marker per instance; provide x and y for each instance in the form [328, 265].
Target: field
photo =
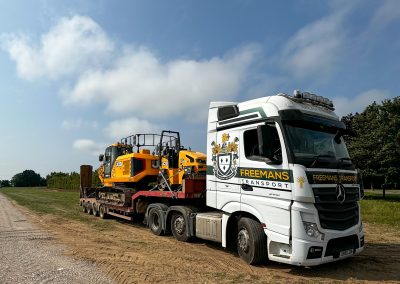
[129, 252]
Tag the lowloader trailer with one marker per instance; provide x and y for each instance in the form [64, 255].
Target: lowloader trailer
[278, 184]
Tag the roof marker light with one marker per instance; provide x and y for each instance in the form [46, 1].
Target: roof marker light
[313, 98]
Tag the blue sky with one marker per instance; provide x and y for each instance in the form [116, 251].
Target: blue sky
[76, 76]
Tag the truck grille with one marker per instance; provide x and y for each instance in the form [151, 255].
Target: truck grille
[332, 214]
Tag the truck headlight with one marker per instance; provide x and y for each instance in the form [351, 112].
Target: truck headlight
[312, 231]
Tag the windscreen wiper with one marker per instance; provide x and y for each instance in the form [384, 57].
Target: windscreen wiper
[316, 158]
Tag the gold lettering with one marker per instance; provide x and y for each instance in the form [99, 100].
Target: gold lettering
[278, 175]
[271, 175]
[264, 174]
[241, 172]
[252, 173]
[246, 172]
[257, 173]
[285, 175]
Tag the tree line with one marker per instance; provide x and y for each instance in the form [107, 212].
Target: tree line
[60, 180]
[68, 181]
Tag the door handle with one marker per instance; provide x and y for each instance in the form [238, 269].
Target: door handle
[247, 187]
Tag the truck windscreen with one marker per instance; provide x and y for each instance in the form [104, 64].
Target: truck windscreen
[317, 146]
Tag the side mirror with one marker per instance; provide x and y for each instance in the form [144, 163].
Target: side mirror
[101, 157]
[337, 137]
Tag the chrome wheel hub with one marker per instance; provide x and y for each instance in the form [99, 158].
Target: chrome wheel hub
[243, 240]
[179, 225]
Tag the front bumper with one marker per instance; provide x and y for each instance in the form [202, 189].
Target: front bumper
[309, 253]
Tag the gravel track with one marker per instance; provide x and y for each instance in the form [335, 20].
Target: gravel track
[30, 255]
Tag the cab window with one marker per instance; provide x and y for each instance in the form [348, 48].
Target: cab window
[252, 145]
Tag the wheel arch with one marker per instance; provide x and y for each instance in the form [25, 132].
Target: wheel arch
[232, 226]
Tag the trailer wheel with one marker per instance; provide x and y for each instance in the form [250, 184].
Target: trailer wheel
[102, 212]
[251, 241]
[155, 222]
[178, 227]
[84, 207]
[95, 210]
[89, 208]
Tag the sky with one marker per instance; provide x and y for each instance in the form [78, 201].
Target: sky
[77, 75]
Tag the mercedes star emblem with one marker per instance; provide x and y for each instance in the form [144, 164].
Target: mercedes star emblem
[340, 193]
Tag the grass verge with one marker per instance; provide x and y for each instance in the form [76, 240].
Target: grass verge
[59, 203]
[376, 210]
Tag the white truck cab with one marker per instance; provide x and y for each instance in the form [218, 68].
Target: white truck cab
[279, 173]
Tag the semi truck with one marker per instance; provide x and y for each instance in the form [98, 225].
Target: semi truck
[277, 182]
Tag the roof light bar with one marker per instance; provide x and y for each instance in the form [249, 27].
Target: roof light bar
[313, 98]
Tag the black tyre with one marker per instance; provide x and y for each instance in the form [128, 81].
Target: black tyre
[178, 227]
[102, 212]
[155, 221]
[251, 241]
[84, 207]
[95, 210]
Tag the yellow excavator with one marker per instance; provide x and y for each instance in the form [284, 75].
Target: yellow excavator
[159, 162]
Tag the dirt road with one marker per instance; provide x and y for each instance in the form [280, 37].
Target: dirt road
[130, 253]
[29, 254]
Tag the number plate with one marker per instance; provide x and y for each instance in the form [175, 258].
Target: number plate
[346, 252]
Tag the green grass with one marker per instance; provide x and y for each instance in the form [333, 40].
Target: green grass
[60, 203]
[376, 210]
[65, 204]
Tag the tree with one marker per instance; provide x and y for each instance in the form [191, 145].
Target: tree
[376, 149]
[5, 183]
[27, 178]
[69, 180]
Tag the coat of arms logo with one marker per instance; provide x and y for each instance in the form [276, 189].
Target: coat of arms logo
[224, 157]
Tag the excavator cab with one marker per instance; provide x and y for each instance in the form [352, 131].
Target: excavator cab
[111, 154]
[176, 162]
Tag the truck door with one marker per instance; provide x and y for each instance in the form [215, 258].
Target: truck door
[225, 157]
[264, 175]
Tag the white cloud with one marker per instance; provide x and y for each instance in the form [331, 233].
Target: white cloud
[316, 47]
[88, 145]
[140, 82]
[70, 46]
[386, 14]
[345, 105]
[118, 129]
[127, 79]
[78, 124]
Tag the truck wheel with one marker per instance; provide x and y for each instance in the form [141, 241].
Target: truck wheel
[89, 208]
[251, 241]
[102, 212]
[178, 227]
[95, 210]
[155, 222]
